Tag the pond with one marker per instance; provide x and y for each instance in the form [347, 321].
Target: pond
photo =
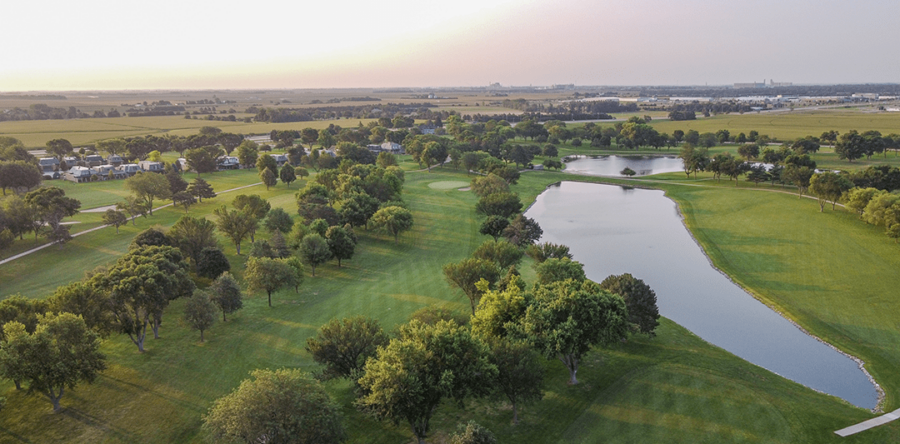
[616, 230]
[613, 165]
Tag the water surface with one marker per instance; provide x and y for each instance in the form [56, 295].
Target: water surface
[613, 165]
[615, 230]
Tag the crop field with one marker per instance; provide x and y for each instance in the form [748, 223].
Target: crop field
[790, 125]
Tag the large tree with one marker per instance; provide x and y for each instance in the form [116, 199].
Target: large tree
[850, 146]
[149, 186]
[226, 294]
[200, 188]
[569, 317]
[140, 286]
[425, 364]
[486, 185]
[281, 406]
[203, 160]
[268, 275]
[341, 242]
[467, 273]
[287, 174]
[254, 206]
[234, 224]
[640, 300]
[520, 373]
[49, 205]
[314, 250]
[493, 226]
[19, 175]
[344, 345]
[523, 231]
[393, 219]
[502, 253]
[192, 235]
[828, 186]
[499, 204]
[115, 218]
[61, 353]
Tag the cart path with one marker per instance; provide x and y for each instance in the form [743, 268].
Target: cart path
[866, 425]
[26, 253]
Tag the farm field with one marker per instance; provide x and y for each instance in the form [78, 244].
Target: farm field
[673, 388]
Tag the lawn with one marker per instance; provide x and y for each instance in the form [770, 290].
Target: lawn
[673, 388]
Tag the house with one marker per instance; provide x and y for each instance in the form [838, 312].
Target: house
[151, 166]
[392, 147]
[228, 163]
[115, 160]
[104, 170]
[538, 167]
[48, 164]
[280, 159]
[374, 147]
[129, 169]
[71, 161]
[80, 174]
[94, 160]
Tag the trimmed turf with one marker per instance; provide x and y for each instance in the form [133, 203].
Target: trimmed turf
[674, 388]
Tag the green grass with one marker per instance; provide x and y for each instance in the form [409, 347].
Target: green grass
[673, 388]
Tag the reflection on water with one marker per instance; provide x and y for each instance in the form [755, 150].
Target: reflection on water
[613, 165]
[614, 230]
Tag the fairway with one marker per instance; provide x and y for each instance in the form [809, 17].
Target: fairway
[673, 388]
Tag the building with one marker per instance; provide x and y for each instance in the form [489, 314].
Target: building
[115, 160]
[49, 165]
[93, 160]
[153, 167]
[80, 174]
[392, 147]
[280, 159]
[227, 163]
[129, 169]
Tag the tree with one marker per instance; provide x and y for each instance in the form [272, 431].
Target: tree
[499, 204]
[386, 159]
[325, 139]
[546, 250]
[149, 186]
[115, 218]
[82, 299]
[640, 300]
[151, 237]
[200, 189]
[59, 148]
[393, 219]
[301, 172]
[212, 262]
[806, 145]
[856, 199]
[234, 224]
[61, 353]
[473, 433]
[757, 173]
[193, 235]
[850, 146]
[523, 231]
[287, 174]
[504, 254]
[486, 185]
[799, 176]
[281, 406]
[140, 286]
[828, 186]
[556, 270]
[255, 207]
[467, 273]
[343, 346]
[431, 315]
[748, 151]
[199, 312]
[493, 226]
[226, 294]
[357, 209]
[134, 206]
[414, 373]
[262, 249]
[48, 206]
[19, 175]
[278, 220]
[569, 317]
[314, 250]
[520, 373]
[248, 153]
[268, 275]
[268, 177]
[203, 159]
[341, 242]
[185, 199]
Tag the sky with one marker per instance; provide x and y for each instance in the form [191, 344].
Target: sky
[59, 45]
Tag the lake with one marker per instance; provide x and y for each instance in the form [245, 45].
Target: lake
[616, 230]
[612, 165]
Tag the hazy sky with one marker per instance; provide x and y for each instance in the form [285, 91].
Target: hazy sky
[116, 44]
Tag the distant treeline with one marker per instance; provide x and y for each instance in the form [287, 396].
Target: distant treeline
[537, 117]
[590, 109]
[799, 90]
[33, 96]
[279, 115]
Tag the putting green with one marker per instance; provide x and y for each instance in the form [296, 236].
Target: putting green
[447, 184]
